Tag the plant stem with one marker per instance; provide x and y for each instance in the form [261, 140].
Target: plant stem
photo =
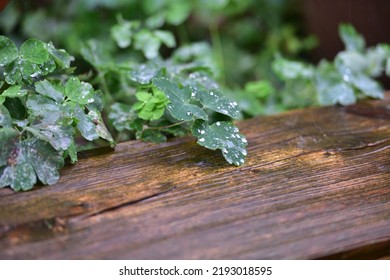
[167, 126]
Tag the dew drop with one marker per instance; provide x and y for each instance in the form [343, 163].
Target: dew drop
[241, 160]
[202, 132]
[218, 123]
[211, 93]
[244, 140]
[201, 140]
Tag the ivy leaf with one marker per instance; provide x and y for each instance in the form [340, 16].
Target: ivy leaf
[214, 100]
[44, 159]
[5, 117]
[148, 43]
[166, 37]
[224, 136]
[22, 161]
[122, 116]
[331, 88]
[79, 92]
[14, 91]
[287, 69]
[61, 57]
[144, 73]
[101, 128]
[34, 51]
[122, 33]
[47, 89]
[352, 40]
[179, 106]
[8, 51]
[59, 137]
[85, 125]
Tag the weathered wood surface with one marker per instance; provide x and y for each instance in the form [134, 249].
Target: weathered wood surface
[316, 185]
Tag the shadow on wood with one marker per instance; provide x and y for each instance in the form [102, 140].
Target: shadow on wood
[315, 185]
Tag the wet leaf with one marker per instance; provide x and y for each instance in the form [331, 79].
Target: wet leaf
[179, 106]
[8, 51]
[352, 40]
[5, 117]
[224, 136]
[122, 116]
[46, 88]
[214, 100]
[34, 51]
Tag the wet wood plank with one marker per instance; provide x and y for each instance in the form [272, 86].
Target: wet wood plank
[316, 185]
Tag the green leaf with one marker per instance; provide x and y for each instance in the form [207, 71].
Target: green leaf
[44, 159]
[179, 106]
[85, 125]
[287, 69]
[352, 40]
[122, 33]
[148, 43]
[224, 136]
[101, 128]
[5, 117]
[72, 150]
[8, 51]
[166, 37]
[144, 73]
[61, 57]
[35, 51]
[122, 116]
[59, 137]
[331, 88]
[214, 100]
[14, 91]
[8, 140]
[47, 89]
[79, 92]
[154, 136]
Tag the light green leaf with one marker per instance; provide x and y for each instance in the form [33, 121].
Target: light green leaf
[214, 100]
[148, 43]
[61, 57]
[339, 93]
[8, 139]
[44, 159]
[34, 51]
[46, 88]
[8, 51]
[5, 117]
[352, 40]
[122, 116]
[166, 37]
[121, 33]
[14, 91]
[179, 106]
[101, 128]
[85, 125]
[287, 69]
[224, 136]
[59, 137]
[80, 92]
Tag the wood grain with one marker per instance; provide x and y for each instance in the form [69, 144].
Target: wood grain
[316, 185]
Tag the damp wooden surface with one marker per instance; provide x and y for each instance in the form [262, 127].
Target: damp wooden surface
[316, 185]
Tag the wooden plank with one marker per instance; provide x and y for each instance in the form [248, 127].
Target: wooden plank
[315, 185]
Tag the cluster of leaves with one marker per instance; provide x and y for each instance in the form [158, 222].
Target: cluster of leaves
[41, 110]
[162, 98]
[349, 77]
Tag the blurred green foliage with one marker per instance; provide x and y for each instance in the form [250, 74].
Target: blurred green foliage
[235, 39]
